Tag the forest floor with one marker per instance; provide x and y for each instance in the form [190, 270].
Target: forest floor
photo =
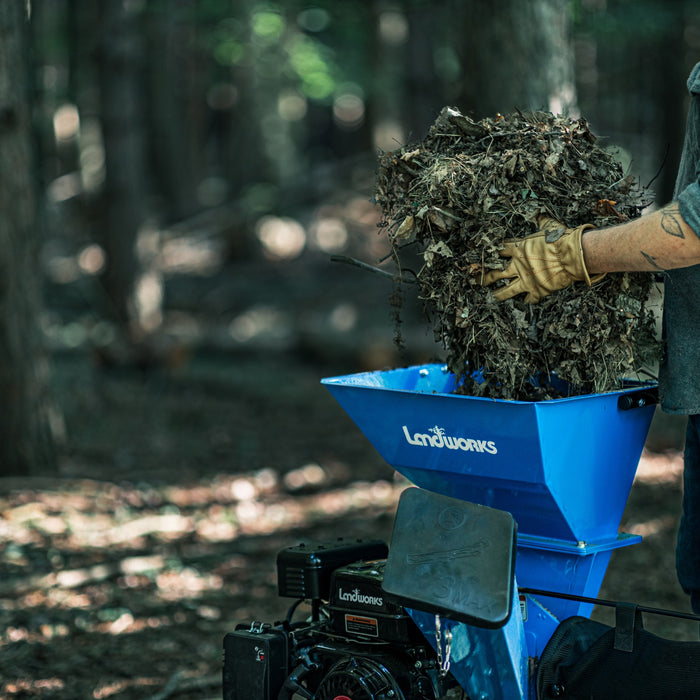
[178, 484]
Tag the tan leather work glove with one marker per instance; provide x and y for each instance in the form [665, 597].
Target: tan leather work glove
[544, 262]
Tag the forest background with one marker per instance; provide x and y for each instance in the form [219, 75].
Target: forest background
[174, 177]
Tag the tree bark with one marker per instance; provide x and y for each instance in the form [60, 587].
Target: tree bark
[519, 56]
[175, 120]
[26, 445]
[121, 68]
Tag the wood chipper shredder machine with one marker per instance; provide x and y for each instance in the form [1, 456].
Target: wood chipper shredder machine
[507, 532]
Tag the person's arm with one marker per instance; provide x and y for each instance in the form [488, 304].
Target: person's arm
[658, 241]
[555, 257]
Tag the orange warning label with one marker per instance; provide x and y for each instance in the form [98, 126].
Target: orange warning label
[362, 625]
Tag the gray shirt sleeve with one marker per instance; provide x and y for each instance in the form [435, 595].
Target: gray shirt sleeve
[688, 181]
[689, 206]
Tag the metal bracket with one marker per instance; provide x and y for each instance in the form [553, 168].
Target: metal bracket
[638, 399]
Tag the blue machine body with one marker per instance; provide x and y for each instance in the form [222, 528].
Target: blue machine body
[564, 567]
[487, 663]
[563, 468]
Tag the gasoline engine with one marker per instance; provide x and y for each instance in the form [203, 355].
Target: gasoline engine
[354, 644]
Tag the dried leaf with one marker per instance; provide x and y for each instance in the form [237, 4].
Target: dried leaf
[406, 233]
[482, 182]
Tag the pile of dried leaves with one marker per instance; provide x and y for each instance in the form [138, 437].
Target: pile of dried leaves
[452, 200]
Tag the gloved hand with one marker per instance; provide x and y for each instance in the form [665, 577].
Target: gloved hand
[544, 262]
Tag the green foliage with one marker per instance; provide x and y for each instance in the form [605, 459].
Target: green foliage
[312, 65]
[267, 25]
[281, 43]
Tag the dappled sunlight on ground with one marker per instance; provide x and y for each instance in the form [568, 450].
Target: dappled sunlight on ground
[645, 573]
[661, 468]
[86, 562]
[105, 525]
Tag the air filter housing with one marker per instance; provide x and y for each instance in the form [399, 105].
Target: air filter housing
[304, 570]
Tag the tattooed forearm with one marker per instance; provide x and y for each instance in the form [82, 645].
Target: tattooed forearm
[652, 261]
[670, 221]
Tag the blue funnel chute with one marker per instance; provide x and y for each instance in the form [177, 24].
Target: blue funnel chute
[563, 467]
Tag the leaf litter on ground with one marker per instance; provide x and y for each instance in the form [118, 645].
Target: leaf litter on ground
[448, 204]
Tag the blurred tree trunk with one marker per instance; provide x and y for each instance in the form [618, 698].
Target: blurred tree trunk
[390, 99]
[173, 112]
[519, 55]
[245, 142]
[26, 445]
[132, 289]
[425, 24]
[244, 162]
[670, 73]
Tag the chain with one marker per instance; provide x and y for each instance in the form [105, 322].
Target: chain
[443, 661]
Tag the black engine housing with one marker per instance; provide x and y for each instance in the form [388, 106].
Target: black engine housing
[356, 644]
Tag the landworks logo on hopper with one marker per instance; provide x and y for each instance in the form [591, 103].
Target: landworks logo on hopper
[440, 440]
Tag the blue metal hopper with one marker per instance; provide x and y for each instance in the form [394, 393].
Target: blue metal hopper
[563, 468]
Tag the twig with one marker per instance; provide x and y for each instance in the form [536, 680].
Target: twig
[369, 268]
[169, 688]
[661, 167]
[178, 683]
